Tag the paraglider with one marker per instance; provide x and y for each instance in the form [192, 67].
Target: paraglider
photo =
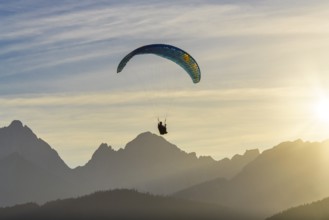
[175, 54]
[162, 128]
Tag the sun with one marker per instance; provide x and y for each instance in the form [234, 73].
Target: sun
[321, 110]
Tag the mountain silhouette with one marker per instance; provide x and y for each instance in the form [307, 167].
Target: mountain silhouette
[289, 174]
[316, 211]
[120, 205]
[258, 185]
[149, 163]
[20, 139]
[31, 171]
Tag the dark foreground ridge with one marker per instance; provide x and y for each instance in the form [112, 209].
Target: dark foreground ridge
[119, 205]
[316, 211]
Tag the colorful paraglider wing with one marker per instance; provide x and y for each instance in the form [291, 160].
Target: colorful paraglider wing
[172, 53]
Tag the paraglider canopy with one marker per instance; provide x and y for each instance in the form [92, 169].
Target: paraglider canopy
[175, 54]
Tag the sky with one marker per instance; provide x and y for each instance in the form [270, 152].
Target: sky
[264, 73]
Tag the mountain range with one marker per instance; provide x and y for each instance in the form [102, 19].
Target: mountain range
[151, 164]
[256, 184]
[32, 171]
[287, 175]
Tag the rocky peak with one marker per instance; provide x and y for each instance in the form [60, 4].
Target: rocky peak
[17, 129]
[18, 138]
[102, 151]
[150, 142]
[16, 124]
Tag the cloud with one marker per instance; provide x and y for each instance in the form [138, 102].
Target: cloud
[44, 41]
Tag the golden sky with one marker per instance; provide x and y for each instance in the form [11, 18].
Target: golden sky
[263, 63]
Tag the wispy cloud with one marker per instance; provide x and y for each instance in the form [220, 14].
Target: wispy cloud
[42, 41]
